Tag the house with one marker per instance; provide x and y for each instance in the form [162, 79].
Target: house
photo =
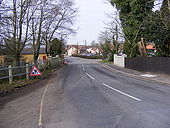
[151, 49]
[93, 50]
[72, 49]
[2, 58]
[27, 56]
[82, 49]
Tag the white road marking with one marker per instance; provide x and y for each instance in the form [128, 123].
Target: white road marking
[148, 75]
[122, 92]
[41, 106]
[83, 68]
[90, 76]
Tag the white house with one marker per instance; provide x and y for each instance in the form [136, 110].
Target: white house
[72, 49]
[93, 50]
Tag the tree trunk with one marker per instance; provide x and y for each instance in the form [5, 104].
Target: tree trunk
[17, 59]
[35, 58]
[47, 48]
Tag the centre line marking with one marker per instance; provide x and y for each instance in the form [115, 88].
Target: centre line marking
[41, 106]
[90, 76]
[83, 68]
[125, 94]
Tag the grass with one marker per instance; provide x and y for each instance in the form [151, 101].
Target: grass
[46, 72]
[105, 61]
[6, 87]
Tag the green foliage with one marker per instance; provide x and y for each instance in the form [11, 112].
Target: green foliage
[108, 51]
[56, 47]
[131, 49]
[132, 14]
[105, 50]
[108, 43]
[89, 57]
[105, 61]
[156, 28]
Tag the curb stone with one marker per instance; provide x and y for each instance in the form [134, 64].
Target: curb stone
[135, 76]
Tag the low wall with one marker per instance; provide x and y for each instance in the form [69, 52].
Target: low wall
[119, 60]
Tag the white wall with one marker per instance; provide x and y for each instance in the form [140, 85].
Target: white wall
[119, 60]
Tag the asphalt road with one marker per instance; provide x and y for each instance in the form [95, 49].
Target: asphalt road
[85, 94]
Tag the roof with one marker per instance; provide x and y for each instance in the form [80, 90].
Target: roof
[24, 51]
[79, 46]
[150, 46]
[30, 51]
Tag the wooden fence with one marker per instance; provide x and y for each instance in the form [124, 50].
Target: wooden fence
[11, 72]
[149, 64]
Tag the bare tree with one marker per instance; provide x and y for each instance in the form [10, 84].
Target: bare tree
[53, 19]
[38, 21]
[110, 36]
[62, 16]
[14, 27]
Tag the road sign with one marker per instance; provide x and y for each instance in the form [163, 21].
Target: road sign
[35, 71]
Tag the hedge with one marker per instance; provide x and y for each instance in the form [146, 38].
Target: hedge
[89, 57]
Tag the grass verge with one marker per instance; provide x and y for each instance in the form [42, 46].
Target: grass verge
[89, 57]
[105, 61]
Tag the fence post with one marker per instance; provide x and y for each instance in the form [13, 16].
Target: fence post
[10, 74]
[50, 61]
[59, 61]
[62, 61]
[27, 71]
[38, 64]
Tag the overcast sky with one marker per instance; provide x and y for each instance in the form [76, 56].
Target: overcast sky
[92, 15]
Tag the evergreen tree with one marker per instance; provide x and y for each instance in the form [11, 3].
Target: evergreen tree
[132, 13]
[57, 47]
[157, 29]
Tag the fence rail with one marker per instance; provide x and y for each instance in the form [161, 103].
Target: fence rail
[11, 72]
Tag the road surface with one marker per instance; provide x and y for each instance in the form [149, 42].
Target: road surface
[85, 94]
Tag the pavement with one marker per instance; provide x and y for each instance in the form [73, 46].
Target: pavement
[148, 76]
[86, 94]
[161, 78]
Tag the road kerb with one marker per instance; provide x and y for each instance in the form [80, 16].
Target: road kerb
[135, 76]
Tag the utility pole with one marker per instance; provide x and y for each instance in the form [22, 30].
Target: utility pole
[85, 42]
[117, 39]
[77, 47]
[169, 5]
[86, 46]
